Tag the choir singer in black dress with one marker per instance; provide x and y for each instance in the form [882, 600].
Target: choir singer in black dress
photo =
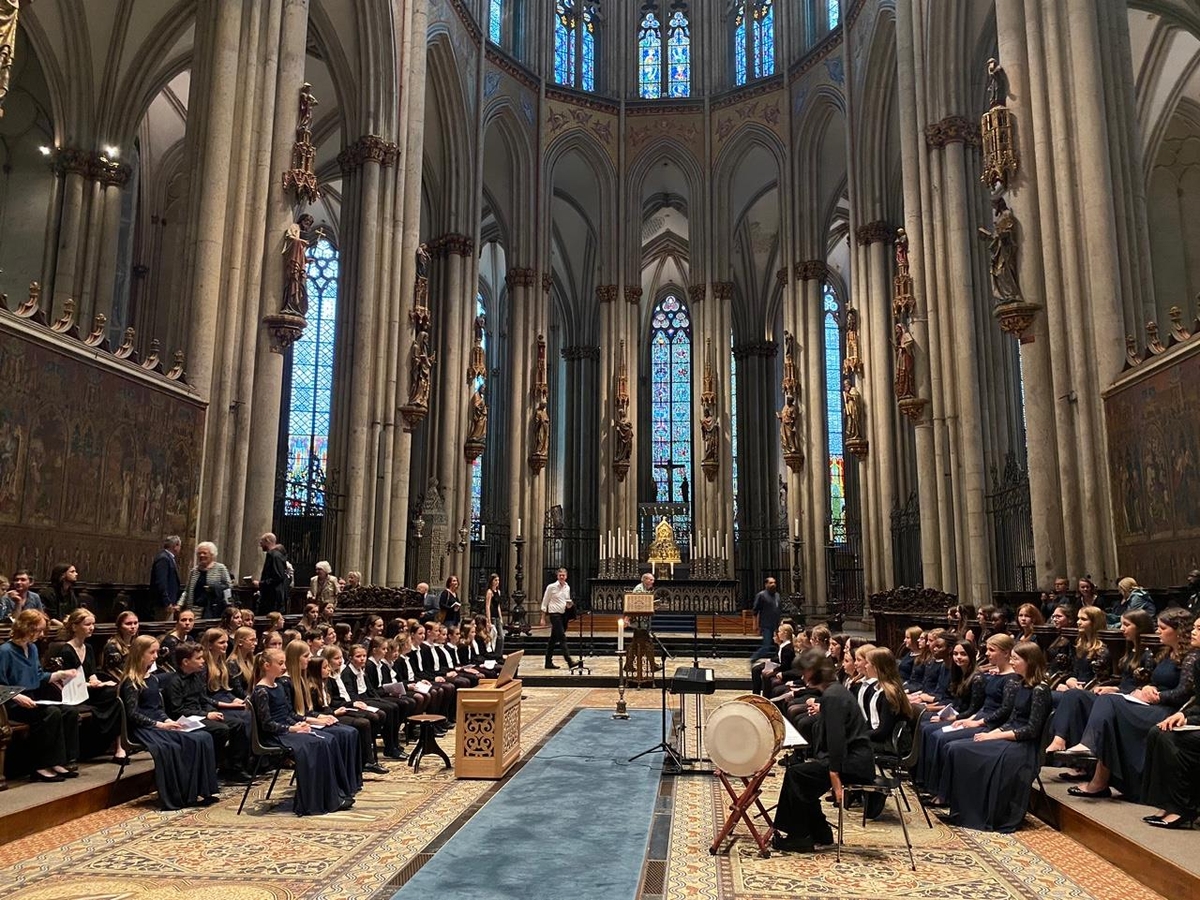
[1171, 780]
[841, 756]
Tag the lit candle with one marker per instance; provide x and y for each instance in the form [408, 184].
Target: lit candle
[797, 528]
[482, 532]
[621, 635]
[672, 570]
[518, 526]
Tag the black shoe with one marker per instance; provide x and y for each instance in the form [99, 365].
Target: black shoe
[121, 761]
[395, 754]
[1074, 776]
[376, 768]
[570, 664]
[346, 804]
[551, 666]
[1181, 822]
[38, 776]
[1102, 794]
[237, 776]
[210, 800]
[71, 773]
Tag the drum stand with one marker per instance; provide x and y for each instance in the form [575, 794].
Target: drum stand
[740, 809]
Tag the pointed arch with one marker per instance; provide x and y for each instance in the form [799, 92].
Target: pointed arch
[446, 106]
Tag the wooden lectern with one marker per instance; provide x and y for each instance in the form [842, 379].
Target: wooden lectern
[489, 729]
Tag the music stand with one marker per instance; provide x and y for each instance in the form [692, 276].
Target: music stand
[672, 762]
[579, 667]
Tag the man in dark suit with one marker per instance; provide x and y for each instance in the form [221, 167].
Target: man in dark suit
[164, 579]
[273, 583]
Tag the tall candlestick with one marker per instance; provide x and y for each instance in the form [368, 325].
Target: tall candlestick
[621, 635]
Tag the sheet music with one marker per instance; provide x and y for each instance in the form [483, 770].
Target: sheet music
[75, 691]
[792, 737]
[188, 723]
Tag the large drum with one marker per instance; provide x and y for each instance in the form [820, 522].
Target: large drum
[744, 735]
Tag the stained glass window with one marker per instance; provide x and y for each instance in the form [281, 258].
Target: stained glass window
[764, 38]
[679, 55]
[312, 388]
[739, 45]
[753, 40]
[670, 397]
[833, 405]
[575, 26]
[835, 13]
[495, 16]
[477, 465]
[650, 57]
[733, 438]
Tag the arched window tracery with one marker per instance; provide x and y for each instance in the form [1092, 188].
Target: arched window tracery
[575, 25]
[753, 40]
[664, 54]
[671, 397]
[833, 406]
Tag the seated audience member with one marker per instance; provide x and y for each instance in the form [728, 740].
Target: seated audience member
[1060, 655]
[185, 762]
[988, 779]
[1193, 587]
[60, 597]
[1132, 671]
[887, 704]
[1116, 729]
[322, 587]
[297, 656]
[780, 661]
[207, 590]
[54, 730]
[353, 579]
[324, 782]
[187, 694]
[246, 618]
[231, 620]
[1029, 617]
[935, 684]
[1133, 596]
[371, 626]
[962, 680]
[1000, 621]
[1171, 780]
[328, 635]
[1060, 597]
[357, 676]
[76, 653]
[116, 650]
[983, 711]
[317, 678]
[841, 757]
[239, 664]
[18, 597]
[820, 638]
[315, 640]
[310, 617]
[1091, 661]
[326, 612]
[907, 654]
[181, 632]
[1087, 594]
[275, 622]
[289, 635]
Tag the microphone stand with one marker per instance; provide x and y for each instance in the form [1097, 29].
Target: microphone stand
[672, 761]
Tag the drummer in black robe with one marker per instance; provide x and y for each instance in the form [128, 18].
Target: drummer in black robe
[841, 756]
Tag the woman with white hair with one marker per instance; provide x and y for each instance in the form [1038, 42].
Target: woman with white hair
[208, 584]
[323, 587]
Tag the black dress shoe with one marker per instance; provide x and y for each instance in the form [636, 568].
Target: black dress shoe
[1181, 822]
[210, 800]
[395, 754]
[236, 776]
[375, 768]
[57, 776]
[551, 666]
[1102, 794]
[70, 773]
[348, 803]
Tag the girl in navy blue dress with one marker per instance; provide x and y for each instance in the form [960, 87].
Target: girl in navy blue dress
[983, 711]
[908, 652]
[322, 783]
[989, 778]
[1072, 711]
[185, 762]
[1117, 727]
[935, 683]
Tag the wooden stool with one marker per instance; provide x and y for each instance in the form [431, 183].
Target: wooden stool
[427, 739]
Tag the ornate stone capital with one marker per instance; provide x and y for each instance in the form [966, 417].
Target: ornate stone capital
[72, 161]
[812, 270]
[547, 282]
[452, 243]
[761, 349]
[722, 290]
[1015, 317]
[368, 148]
[874, 232]
[697, 293]
[633, 295]
[110, 172]
[520, 276]
[781, 277]
[606, 293]
[581, 351]
[952, 130]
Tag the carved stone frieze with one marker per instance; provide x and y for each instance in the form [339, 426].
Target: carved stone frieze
[633, 294]
[722, 290]
[606, 293]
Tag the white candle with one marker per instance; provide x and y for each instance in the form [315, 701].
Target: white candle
[797, 528]
[482, 532]
[621, 635]
[518, 526]
[672, 569]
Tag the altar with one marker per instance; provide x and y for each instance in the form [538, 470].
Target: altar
[701, 596]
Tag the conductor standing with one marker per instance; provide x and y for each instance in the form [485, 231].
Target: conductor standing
[555, 601]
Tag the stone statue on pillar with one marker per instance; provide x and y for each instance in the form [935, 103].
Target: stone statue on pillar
[541, 430]
[286, 326]
[420, 357]
[1002, 253]
[905, 381]
[997, 84]
[787, 417]
[540, 449]
[709, 428]
[851, 411]
[622, 427]
[9, 11]
[476, 424]
[852, 364]
[420, 370]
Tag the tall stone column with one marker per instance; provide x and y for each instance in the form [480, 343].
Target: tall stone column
[812, 275]
[73, 164]
[112, 182]
[268, 370]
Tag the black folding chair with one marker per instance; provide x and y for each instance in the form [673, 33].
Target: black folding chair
[127, 743]
[887, 786]
[1040, 761]
[272, 755]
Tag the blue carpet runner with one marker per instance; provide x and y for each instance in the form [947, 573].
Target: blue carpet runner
[572, 824]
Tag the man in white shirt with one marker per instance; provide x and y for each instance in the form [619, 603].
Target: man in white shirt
[555, 601]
